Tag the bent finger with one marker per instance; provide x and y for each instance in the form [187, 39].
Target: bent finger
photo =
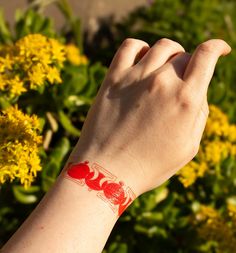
[178, 64]
[158, 55]
[202, 64]
[127, 54]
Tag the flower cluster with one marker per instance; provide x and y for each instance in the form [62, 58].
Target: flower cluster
[232, 211]
[29, 63]
[74, 55]
[19, 144]
[218, 143]
[220, 232]
[189, 174]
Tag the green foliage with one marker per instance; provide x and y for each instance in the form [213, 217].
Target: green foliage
[61, 108]
[161, 220]
[5, 35]
[53, 163]
[32, 22]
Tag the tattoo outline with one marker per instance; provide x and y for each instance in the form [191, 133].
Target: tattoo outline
[116, 194]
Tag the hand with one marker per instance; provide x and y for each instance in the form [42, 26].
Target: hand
[149, 115]
[145, 124]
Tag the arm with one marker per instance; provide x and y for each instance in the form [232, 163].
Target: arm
[145, 124]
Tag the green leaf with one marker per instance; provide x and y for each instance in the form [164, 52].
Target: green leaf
[25, 196]
[77, 31]
[32, 22]
[49, 174]
[118, 248]
[75, 79]
[53, 164]
[5, 35]
[60, 151]
[4, 103]
[67, 124]
[218, 93]
[96, 75]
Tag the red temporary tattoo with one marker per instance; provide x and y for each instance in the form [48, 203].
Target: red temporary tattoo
[98, 179]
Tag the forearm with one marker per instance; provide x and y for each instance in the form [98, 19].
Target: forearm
[70, 218]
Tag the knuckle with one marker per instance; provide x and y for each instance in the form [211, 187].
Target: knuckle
[112, 79]
[165, 41]
[186, 99]
[158, 83]
[169, 43]
[160, 79]
[130, 42]
[206, 47]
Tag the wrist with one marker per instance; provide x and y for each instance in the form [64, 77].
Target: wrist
[102, 177]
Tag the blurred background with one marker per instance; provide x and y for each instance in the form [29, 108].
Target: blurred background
[89, 11]
[59, 51]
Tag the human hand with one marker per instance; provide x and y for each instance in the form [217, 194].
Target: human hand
[145, 124]
[150, 112]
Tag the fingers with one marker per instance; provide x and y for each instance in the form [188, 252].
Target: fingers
[127, 54]
[158, 55]
[170, 72]
[140, 55]
[202, 64]
[178, 64]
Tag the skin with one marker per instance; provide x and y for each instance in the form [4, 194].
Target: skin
[145, 124]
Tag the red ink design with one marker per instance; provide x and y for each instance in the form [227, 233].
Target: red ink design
[115, 193]
[99, 179]
[94, 183]
[79, 171]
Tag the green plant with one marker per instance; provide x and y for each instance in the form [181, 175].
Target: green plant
[171, 218]
[70, 93]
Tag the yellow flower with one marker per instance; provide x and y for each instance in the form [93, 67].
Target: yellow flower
[218, 143]
[232, 133]
[74, 56]
[32, 48]
[215, 151]
[38, 56]
[25, 65]
[213, 227]
[2, 82]
[5, 63]
[53, 75]
[36, 75]
[217, 123]
[232, 210]
[189, 174]
[233, 150]
[206, 212]
[58, 51]
[16, 85]
[83, 59]
[19, 143]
